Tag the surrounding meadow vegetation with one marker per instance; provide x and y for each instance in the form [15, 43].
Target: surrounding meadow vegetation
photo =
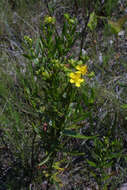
[63, 85]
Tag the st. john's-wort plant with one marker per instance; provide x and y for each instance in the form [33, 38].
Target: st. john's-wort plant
[45, 106]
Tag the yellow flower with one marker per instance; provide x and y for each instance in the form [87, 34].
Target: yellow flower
[49, 20]
[76, 78]
[81, 69]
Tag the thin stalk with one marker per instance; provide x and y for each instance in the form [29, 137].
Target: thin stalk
[32, 155]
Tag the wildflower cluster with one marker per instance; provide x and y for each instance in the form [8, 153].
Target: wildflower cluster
[76, 77]
[49, 20]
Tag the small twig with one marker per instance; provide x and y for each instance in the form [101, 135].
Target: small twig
[84, 30]
[83, 35]
[3, 108]
[32, 155]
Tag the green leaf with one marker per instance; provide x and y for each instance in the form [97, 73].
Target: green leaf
[29, 56]
[106, 165]
[36, 129]
[117, 25]
[114, 26]
[46, 159]
[124, 106]
[93, 174]
[73, 127]
[76, 153]
[91, 163]
[115, 155]
[92, 21]
[37, 47]
[72, 153]
[106, 177]
[74, 134]
[81, 117]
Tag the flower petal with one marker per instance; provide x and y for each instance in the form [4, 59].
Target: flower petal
[72, 81]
